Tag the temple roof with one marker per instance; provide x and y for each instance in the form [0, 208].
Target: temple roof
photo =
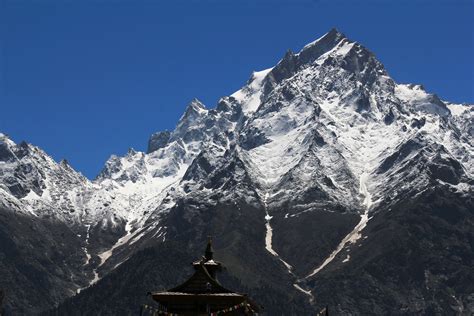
[203, 295]
[201, 288]
[200, 282]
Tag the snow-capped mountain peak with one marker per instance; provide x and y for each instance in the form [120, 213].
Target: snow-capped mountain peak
[6, 140]
[194, 109]
[249, 97]
[333, 90]
[331, 38]
[325, 132]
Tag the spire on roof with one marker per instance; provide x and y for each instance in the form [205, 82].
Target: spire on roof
[209, 251]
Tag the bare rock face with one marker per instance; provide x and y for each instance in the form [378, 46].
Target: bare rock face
[322, 180]
[158, 140]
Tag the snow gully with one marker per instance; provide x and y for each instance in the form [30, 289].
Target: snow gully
[268, 245]
[269, 236]
[355, 234]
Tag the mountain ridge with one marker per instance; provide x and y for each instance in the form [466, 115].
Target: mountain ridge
[299, 163]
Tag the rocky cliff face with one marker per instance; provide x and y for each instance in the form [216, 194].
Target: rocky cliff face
[323, 181]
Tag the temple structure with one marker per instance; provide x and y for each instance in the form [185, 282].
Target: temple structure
[202, 294]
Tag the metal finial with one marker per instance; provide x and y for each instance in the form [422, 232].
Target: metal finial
[209, 252]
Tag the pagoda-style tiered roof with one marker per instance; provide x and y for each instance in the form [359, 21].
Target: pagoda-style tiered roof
[202, 294]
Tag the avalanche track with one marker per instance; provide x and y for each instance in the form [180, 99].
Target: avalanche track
[355, 234]
[269, 235]
[268, 245]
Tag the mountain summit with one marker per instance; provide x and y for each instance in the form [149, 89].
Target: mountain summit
[324, 181]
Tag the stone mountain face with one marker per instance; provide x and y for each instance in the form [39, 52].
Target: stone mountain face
[322, 180]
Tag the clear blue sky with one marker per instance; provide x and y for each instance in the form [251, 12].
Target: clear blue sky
[84, 79]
